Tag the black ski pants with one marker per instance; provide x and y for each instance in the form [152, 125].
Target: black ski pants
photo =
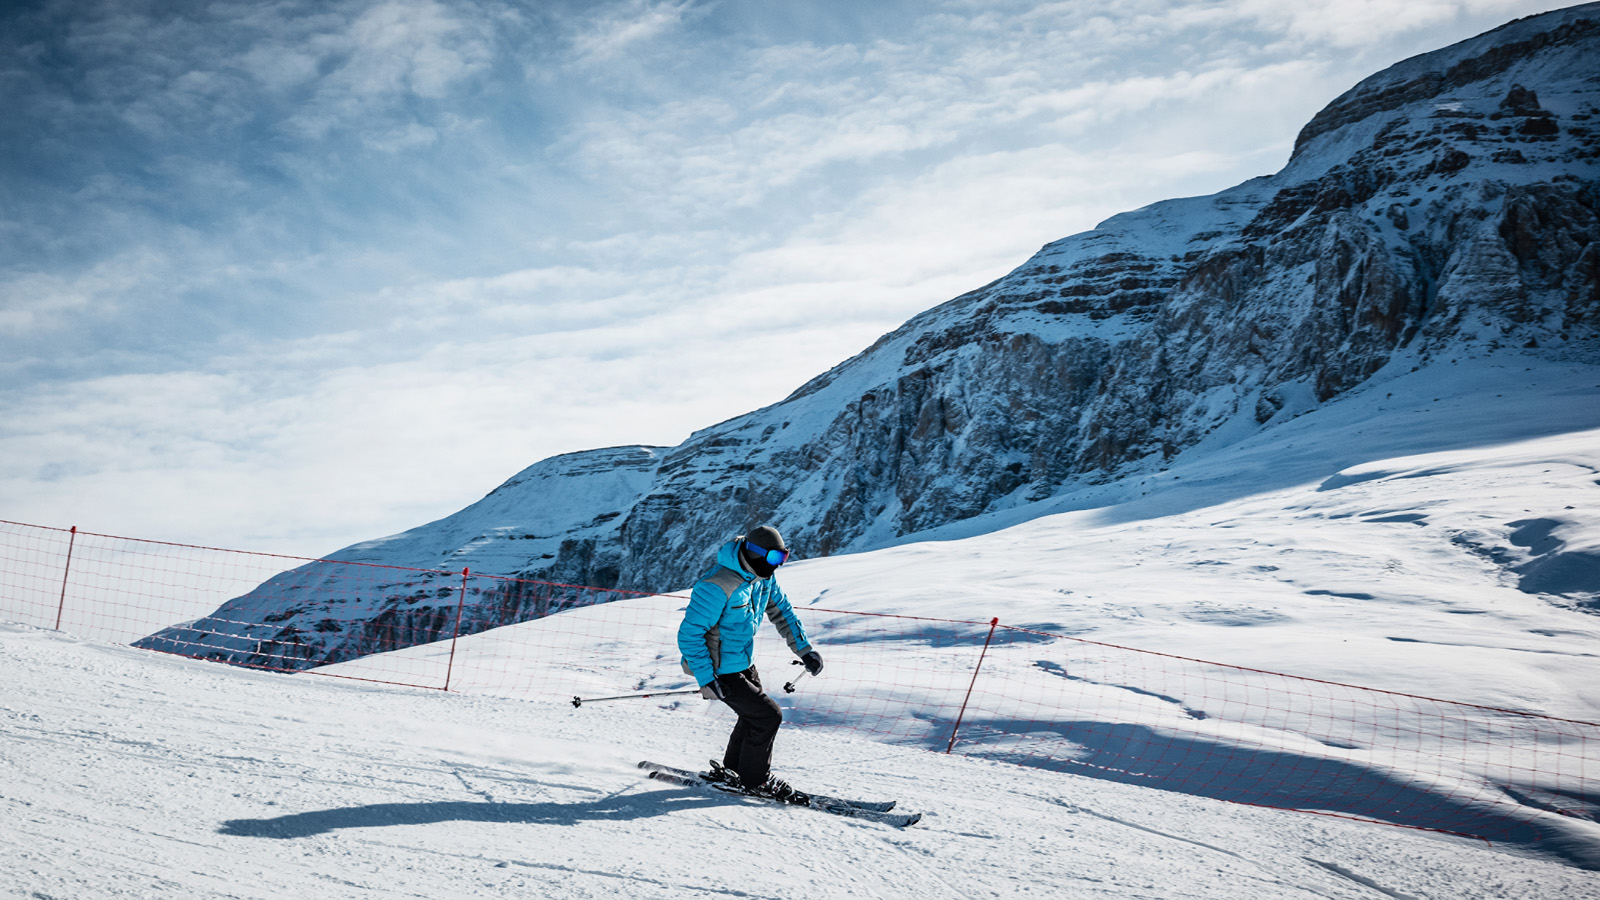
[750, 746]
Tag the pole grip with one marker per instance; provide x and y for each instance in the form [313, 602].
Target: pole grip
[788, 688]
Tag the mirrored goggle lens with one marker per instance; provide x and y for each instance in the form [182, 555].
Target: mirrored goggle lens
[774, 558]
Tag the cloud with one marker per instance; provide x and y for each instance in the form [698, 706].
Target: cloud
[298, 273]
[1361, 23]
[778, 116]
[178, 71]
[373, 59]
[38, 303]
[612, 32]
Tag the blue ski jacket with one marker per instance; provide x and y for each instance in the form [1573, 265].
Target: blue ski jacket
[718, 634]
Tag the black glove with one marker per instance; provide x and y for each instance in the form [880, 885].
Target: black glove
[813, 661]
[712, 691]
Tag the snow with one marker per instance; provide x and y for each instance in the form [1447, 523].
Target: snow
[133, 774]
[1383, 539]
[541, 500]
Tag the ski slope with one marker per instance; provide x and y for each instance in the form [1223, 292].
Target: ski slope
[132, 774]
[1429, 533]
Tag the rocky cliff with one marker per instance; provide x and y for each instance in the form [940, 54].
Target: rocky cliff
[1448, 205]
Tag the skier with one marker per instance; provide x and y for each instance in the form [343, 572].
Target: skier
[717, 638]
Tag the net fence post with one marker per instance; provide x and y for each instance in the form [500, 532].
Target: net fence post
[449, 667]
[66, 572]
[975, 670]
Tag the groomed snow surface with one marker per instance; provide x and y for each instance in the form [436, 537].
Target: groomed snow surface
[131, 774]
[1399, 537]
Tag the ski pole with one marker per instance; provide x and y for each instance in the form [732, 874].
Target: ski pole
[789, 687]
[579, 701]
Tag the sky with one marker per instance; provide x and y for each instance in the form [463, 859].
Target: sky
[285, 276]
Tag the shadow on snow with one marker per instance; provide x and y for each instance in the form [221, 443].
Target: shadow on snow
[380, 815]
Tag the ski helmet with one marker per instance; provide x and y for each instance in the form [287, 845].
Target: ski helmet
[763, 551]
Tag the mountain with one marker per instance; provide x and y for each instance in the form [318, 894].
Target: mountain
[1445, 207]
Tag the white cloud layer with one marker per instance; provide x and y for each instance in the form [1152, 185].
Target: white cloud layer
[290, 275]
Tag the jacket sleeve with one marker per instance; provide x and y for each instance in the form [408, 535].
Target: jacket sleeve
[699, 632]
[782, 615]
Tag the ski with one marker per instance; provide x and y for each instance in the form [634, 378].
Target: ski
[709, 778]
[823, 804]
[832, 805]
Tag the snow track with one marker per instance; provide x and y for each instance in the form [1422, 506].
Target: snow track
[132, 774]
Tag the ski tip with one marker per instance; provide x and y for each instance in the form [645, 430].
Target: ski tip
[645, 764]
[913, 819]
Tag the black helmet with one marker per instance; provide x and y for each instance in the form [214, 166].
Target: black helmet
[763, 550]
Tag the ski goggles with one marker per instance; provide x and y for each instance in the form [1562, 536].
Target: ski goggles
[774, 558]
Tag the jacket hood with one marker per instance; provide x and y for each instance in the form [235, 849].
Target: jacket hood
[728, 557]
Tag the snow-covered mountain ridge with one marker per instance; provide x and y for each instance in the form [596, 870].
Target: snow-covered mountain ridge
[1447, 207]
